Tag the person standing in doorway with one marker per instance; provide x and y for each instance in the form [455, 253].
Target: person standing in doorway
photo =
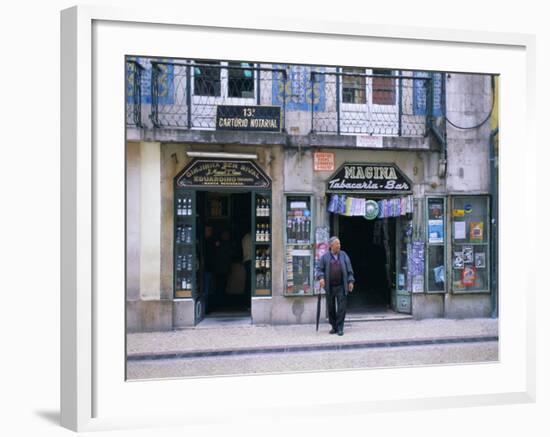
[335, 275]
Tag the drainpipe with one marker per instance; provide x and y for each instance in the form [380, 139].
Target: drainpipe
[440, 137]
[493, 171]
[442, 170]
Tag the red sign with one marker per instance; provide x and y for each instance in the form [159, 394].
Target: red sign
[323, 161]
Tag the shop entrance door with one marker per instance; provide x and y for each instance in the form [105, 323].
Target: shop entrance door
[370, 245]
[223, 221]
[217, 203]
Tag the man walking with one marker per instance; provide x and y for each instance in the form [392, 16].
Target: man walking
[335, 275]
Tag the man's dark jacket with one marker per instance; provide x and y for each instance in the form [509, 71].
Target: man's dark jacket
[323, 270]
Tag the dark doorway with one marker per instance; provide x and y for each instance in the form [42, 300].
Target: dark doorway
[223, 220]
[370, 245]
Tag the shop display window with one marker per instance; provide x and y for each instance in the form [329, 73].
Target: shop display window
[435, 235]
[470, 243]
[184, 237]
[262, 261]
[404, 245]
[299, 246]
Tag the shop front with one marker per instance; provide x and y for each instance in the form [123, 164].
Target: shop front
[222, 236]
[371, 210]
[245, 245]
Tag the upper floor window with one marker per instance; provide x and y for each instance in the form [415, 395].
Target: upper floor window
[240, 80]
[383, 88]
[207, 80]
[353, 86]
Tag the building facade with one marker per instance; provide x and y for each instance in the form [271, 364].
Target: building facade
[238, 173]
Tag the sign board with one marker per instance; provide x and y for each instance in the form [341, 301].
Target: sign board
[368, 178]
[368, 141]
[323, 161]
[222, 173]
[249, 118]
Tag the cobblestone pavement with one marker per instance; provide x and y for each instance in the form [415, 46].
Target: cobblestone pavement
[448, 342]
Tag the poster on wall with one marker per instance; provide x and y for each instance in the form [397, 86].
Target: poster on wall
[480, 260]
[476, 231]
[435, 231]
[459, 230]
[321, 247]
[469, 276]
[468, 254]
[417, 267]
[458, 261]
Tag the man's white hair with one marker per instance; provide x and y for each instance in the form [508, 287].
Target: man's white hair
[332, 240]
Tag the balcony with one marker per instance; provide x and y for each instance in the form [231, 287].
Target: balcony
[313, 101]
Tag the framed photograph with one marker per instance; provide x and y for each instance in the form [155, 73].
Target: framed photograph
[97, 275]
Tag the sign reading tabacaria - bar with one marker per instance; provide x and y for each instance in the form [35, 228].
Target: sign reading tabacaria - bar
[369, 177]
[249, 118]
[222, 173]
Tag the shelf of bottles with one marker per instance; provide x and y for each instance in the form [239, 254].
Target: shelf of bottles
[299, 247]
[183, 242]
[262, 245]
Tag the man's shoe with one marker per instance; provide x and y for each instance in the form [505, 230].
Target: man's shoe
[332, 331]
[340, 332]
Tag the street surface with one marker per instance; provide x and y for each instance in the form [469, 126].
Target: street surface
[315, 361]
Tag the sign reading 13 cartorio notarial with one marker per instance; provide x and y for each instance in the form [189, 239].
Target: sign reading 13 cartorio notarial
[249, 118]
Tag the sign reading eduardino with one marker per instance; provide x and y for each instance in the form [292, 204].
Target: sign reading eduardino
[249, 118]
[222, 173]
[363, 177]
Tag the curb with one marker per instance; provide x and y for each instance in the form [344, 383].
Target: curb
[306, 348]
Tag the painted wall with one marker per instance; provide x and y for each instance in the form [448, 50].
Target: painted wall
[469, 101]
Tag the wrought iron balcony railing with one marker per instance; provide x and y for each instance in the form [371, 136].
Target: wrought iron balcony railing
[133, 93]
[186, 94]
[373, 104]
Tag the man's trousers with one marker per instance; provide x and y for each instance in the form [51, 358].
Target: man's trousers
[336, 305]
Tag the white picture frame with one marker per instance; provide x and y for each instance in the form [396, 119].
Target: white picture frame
[93, 394]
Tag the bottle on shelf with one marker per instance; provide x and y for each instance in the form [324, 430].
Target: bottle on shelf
[267, 262]
[267, 209]
[258, 210]
[258, 259]
[267, 233]
[262, 261]
[260, 281]
[289, 230]
[295, 236]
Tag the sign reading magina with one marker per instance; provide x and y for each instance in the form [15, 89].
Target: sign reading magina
[226, 173]
[362, 177]
[249, 118]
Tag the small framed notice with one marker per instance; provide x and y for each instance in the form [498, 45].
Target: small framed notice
[323, 161]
